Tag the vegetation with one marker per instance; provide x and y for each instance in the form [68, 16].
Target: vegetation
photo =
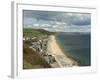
[31, 59]
[27, 32]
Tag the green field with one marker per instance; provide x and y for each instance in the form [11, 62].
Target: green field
[40, 33]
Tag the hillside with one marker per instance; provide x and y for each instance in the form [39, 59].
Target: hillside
[31, 58]
[28, 32]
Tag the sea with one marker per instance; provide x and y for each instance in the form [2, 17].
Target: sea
[76, 45]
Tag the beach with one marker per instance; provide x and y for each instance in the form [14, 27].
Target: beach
[54, 49]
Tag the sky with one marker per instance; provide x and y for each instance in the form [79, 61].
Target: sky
[57, 21]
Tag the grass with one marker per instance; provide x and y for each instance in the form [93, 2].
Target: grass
[27, 65]
[27, 32]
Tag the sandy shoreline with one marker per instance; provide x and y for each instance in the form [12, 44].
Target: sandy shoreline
[54, 49]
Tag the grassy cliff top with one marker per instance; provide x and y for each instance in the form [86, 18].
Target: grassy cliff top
[28, 32]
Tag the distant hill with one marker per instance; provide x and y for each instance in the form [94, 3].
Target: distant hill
[29, 32]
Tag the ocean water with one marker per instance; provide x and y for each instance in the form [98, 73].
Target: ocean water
[77, 46]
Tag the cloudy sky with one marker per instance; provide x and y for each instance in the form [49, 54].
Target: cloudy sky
[57, 21]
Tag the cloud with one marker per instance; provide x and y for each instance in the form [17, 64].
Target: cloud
[61, 21]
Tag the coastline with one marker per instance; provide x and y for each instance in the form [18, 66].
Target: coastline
[54, 49]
